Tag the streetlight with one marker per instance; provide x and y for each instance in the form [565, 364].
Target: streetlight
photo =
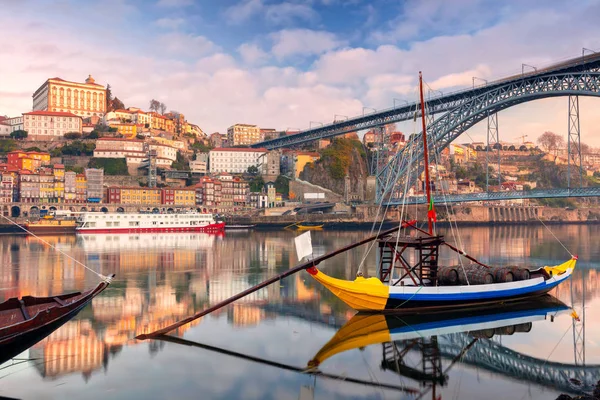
[527, 65]
[407, 103]
[339, 115]
[481, 79]
[368, 108]
[583, 50]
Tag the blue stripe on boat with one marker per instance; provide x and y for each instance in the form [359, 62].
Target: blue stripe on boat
[515, 292]
[475, 319]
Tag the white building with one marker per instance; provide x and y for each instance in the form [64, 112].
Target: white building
[198, 167]
[4, 128]
[134, 151]
[51, 125]
[16, 123]
[236, 160]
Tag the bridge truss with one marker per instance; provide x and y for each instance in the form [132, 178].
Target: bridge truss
[453, 123]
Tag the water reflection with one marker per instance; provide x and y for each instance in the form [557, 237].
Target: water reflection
[163, 278]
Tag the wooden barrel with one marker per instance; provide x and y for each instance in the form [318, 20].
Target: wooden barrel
[483, 333]
[480, 276]
[502, 274]
[447, 275]
[505, 330]
[524, 327]
[520, 273]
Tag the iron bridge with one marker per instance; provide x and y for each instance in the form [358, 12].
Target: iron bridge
[503, 195]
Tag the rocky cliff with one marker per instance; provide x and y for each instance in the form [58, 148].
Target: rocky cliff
[344, 157]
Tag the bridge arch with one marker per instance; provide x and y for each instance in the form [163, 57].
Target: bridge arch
[453, 123]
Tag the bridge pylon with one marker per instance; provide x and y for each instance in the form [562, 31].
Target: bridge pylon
[574, 141]
[493, 143]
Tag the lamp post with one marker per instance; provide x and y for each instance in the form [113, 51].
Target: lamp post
[481, 79]
[368, 108]
[527, 65]
[339, 115]
[395, 100]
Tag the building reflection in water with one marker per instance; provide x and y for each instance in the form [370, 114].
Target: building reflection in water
[164, 278]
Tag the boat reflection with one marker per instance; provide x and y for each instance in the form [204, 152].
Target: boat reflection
[424, 347]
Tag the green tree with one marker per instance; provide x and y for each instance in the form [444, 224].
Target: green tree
[19, 134]
[93, 135]
[252, 170]
[111, 166]
[257, 183]
[200, 146]
[74, 168]
[72, 135]
[7, 145]
[78, 148]
[34, 148]
[282, 185]
[180, 163]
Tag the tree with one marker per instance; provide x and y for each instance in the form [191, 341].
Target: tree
[252, 170]
[256, 184]
[111, 166]
[72, 135]
[180, 163]
[163, 108]
[7, 145]
[585, 148]
[19, 134]
[109, 97]
[93, 135]
[282, 185]
[154, 105]
[117, 104]
[34, 148]
[551, 141]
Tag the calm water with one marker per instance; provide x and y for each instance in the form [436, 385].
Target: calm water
[163, 278]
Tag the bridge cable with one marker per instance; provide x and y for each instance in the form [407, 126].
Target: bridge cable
[103, 277]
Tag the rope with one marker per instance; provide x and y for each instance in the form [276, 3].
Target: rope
[552, 233]
[104, 278]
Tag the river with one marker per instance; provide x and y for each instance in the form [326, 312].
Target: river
[161, 278]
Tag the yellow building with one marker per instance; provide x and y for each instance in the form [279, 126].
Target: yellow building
[82, 99]
[185, 197]
[244, 135]
[47, 186]
[144, 196]
[302, 158]
[158, 121]
[127, 130]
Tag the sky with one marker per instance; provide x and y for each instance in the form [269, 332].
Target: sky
[293, 64]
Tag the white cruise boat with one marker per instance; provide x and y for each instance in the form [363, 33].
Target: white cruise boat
[98, 222]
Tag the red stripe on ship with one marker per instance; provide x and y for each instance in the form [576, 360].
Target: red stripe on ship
[206, 228]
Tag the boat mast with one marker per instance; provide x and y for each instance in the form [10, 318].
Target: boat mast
[425, 154]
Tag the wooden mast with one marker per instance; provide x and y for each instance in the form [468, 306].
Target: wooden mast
[425, 154]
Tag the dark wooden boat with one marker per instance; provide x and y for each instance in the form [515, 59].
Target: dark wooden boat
[26, 321]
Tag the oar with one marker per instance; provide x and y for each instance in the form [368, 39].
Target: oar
[269, 281]
[287, 367]
[462, 253]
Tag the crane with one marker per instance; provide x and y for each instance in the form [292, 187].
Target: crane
[522, 137]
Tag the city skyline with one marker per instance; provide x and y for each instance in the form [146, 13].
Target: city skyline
[283, 64]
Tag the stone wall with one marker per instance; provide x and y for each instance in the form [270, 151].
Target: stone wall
[301, 187]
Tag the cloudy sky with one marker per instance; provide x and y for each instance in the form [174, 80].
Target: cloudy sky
[283, 64]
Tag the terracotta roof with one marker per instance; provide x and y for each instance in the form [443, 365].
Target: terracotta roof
[240, 149]
[107, 139]
[52, 113]
[58, 166]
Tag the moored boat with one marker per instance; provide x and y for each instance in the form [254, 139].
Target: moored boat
[409, 277]
[26, 321]
[97, 222]
[50, 225]
[240, 227]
